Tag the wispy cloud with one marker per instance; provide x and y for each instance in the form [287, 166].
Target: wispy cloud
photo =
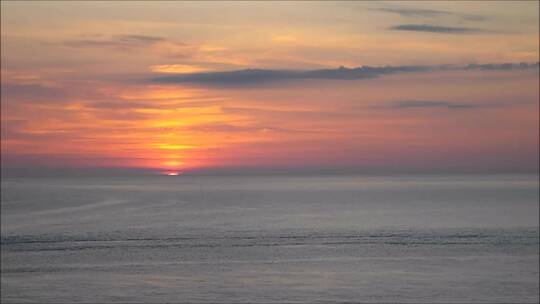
[436, 29]
[254, 76]
[502, 66]
[117, 41]
[450, 105]
[431, 104]
[120, 105]
[162, 47]
[429, 13]
[230, 128]
[31, 92]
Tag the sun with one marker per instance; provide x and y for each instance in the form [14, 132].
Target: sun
[172, 173]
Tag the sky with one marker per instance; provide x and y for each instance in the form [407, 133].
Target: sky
[186, 86]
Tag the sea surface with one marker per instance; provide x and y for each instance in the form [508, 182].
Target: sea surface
[266, 239]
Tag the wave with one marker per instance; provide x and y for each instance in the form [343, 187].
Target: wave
[37, 243]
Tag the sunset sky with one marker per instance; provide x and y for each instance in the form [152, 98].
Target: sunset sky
[179, 86]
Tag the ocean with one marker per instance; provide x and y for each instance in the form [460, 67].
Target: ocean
[271, 239]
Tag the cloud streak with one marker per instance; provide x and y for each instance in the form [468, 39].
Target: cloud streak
[262, 75]
[429, 13]
[254, 76]
[436, 29]
[31, 93]
[117, 41]
[229, 128]
[431, 104]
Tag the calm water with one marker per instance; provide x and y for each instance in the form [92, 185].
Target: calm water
[271, 239]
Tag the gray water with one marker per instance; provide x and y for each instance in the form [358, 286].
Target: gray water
[304, 239]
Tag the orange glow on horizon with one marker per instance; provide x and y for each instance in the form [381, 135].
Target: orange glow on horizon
[271, 126]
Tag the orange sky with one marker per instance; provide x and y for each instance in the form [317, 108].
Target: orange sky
[79, 85]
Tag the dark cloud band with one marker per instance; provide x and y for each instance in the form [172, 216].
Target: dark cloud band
[436, 29]
[253, 76]
[430, 13]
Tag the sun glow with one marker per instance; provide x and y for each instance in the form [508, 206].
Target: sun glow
[173, 163]
[172, 147]
[176, 68]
